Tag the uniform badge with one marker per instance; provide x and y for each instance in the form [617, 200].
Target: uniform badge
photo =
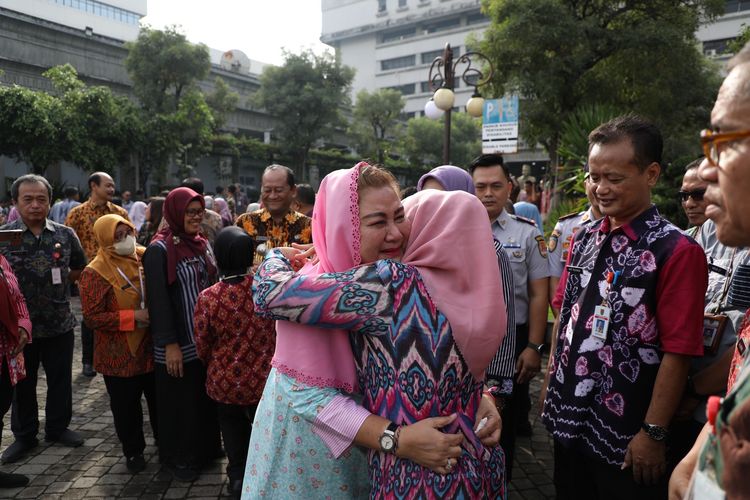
[518, 254]
[552, 244]
[542, 245]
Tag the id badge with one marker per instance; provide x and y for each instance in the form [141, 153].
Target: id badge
[601, 322]
[56, 276]
[713, 331]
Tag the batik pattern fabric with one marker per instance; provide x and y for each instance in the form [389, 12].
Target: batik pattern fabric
[286, 459]
[408, 366]
[600, 389]
[81, 219]
[293, 228]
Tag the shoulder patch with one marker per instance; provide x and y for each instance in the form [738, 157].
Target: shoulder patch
[542, 245]
[524, 219]
[569, 216]
[553, 238]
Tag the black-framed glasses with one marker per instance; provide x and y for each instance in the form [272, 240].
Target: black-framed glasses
[195, 212]
[696, 195]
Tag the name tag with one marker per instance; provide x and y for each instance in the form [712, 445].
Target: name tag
[601, 322]
[575, 270]
[717, 269]
[56, 276]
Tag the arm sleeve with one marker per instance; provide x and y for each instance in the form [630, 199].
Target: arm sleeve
[536, 256]
[680, 296]
[202, 331]
[77, 255]
[160, 309]
[338, 422]
[19, 303]
[502, 366]
[357, 300]
[95, 294]
[554, 247]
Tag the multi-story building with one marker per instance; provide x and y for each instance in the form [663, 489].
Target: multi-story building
[715, 36]
[111, 18]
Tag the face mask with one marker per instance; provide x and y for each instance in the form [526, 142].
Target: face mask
[126, 246]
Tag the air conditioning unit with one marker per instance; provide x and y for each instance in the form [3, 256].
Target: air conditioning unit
[710, 53]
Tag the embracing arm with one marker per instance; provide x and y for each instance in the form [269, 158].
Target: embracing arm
[356, 300]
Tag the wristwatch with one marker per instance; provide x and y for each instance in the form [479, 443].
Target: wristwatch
[655, 432]
[537, 347]
[388, 441]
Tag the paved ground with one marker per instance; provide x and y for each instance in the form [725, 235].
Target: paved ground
[97, 469]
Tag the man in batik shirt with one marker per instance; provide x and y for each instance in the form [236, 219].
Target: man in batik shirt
[276, 224]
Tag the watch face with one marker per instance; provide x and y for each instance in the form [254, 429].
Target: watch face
[386, 442]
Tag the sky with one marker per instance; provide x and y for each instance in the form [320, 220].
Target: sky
[259, 28]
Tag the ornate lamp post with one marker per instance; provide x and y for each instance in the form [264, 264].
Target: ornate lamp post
[442, 82]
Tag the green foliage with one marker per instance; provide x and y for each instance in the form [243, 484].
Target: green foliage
[305, 95]
[375, 122]
[162, 65]
[738, 43]
[222, 101]
[639, 55]
[422, 140]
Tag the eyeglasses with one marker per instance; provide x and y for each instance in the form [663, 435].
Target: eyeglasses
[696, 195]
[195, 212]
[711, 142]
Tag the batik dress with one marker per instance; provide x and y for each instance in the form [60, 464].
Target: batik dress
[408, 366]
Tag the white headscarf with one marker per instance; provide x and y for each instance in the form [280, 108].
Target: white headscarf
[137, 214]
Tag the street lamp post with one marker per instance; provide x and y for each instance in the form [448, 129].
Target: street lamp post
[442, 79]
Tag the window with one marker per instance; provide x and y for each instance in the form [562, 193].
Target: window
[103, 10]
[715, 48]
[408, 89]
[733, 6]
[381, 5]
[424, 87]
[398, 35]
[397, 62]
[476, 19]
[443, 25]
[428, 57]
[401, 3]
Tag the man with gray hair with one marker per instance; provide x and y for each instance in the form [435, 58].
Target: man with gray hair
[716, 466]
[49, 259]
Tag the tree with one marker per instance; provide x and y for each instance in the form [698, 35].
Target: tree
[422, 138]
[178, 124]
[222, 101]
[305, 95]
[638, 55]
[375, 120]
[736, 45]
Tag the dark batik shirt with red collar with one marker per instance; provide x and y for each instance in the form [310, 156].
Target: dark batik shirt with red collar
[600, 390]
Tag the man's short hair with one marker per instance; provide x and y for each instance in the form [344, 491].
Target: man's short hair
[29, 179]
[96, 178]
[645, 136]
[489, 160]
[232, 188]
[693, 164]
[289, 173]
[305, 194]
[219, 189]
[193, 183]
[70, 191]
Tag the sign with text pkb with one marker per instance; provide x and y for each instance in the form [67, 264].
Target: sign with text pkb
[500, 125]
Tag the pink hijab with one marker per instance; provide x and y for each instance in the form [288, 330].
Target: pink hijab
[451, 245]
[323, 357]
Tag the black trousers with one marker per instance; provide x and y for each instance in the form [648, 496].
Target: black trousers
[6, 392]
[125, 402]
[56, 356]
[236, 423]
[187, 419]
[515, 407]
[87, 345]
[580, 477]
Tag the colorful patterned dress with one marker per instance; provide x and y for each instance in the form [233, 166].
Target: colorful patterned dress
[408, 366]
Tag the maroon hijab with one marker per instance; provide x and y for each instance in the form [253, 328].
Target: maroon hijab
[181, 245]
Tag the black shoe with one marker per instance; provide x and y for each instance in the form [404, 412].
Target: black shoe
[183, 473]
[66, 438]
[235, 488]
[13, 480]
[135, 464]
[18, 449]
[88, 370]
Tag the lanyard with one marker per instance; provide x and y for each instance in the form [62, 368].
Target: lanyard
[730, 270]
[139, 290]
[225, 278]
[612, 278]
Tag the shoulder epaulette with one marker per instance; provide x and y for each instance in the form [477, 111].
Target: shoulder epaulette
[569, 216]
[523, 219]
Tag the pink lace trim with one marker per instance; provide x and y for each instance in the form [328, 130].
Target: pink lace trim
[312, 380]
[354, 208]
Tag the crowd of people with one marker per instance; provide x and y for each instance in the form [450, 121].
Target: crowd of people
[358, 342]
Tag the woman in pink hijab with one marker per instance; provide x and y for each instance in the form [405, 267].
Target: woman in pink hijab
[423, 331]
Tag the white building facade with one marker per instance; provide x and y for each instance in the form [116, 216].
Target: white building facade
[714, 37]
[118, 19]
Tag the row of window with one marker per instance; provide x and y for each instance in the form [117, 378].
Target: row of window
[431, 27]
[102, 9]
[411, 60]
[383, 5]
[424, 87]
[733, 6]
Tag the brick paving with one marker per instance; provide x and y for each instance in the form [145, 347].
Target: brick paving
[97, 469]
